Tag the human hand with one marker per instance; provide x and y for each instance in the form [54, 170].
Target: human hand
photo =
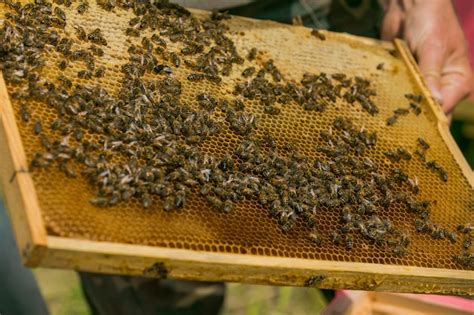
[433, 33]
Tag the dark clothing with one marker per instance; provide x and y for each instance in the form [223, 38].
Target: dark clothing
[19, 293]
[125, 295]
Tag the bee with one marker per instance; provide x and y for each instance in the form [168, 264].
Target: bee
[466, 259]
[65, 82]
[195, 77]
[158, 40]
[84, 74]
[391, 120]
[315, 237]
[62, 65]
[465, 228]
[24, 113]
[336, 238]
[314, 280]
[60, 13]
[404, 154]
[83, 7]
[424, 145]
[414, 184]
[100, 72]
[252, 54]
[401, 112]
[393, 156]
[318, 34]
[271, 110]
[380, 66]
[133, 32]
[80, 33]
[452, 237]
[228, 206]
[78, 134]
[213, 78]
[99, 201]
[399, 250]
[276, 75]
[413, 97]
[107, 5]
[261, 73]
[467, 242]
[214, 201]
[38, 127]
[248, 72]
[416, 109]
[443, 175]
[96, 50]
[67, 170]
[349, 242]
[206, 101]
[97, 37]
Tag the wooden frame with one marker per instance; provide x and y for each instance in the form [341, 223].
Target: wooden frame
[37, 248]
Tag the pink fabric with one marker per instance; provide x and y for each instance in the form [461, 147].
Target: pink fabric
[342, 301]
[465, 11]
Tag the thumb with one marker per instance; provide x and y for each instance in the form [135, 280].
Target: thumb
[431, 58]
[392, 22]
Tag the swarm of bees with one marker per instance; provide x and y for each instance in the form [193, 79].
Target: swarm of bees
[159, 135]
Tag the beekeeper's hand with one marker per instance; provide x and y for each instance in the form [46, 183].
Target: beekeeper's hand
[434, 35]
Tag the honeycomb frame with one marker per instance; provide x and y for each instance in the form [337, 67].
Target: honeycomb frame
[41, 244]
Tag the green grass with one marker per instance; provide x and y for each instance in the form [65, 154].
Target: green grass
[62, 292]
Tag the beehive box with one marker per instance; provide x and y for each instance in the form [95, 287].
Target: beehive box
[56, 226]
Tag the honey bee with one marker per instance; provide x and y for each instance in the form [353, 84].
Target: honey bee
[252, 54]
[316, 33]
[424, 145]
[315, 238]
[314, 280]
[465, 228]
[100, 72]
[80, 32]
[416, 109]
[391, 120]
[99, 201]
[413, 97]
[24, 113]
[84, 74]
[196, 77]
[62, 65]
[38, 127]
[337, 238]
[467, 242]
[248, 72]
[133, 32]
[97, 37]
[60, 13]
[158, 40]
[83, 7]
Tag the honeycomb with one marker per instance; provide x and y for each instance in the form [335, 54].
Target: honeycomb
[249, 229]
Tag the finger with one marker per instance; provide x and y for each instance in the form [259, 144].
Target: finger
[431, 59]
[454, 90]
[392, 22]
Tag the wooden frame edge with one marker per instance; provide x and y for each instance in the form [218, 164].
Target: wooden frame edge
[18, 187]
[443, 123]
[140, 260]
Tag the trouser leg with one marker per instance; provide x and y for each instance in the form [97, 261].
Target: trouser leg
[111, 294]
[19, 292]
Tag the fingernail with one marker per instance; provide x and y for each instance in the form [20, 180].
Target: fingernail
[436, 94]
